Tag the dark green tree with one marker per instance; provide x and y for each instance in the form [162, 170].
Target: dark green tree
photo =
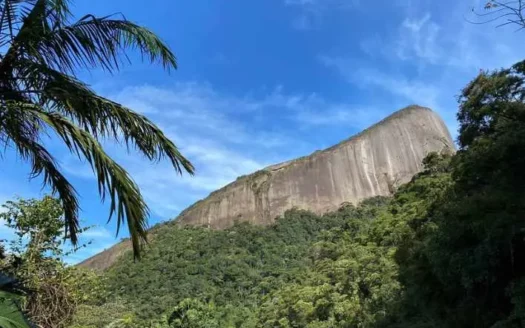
[468, 269]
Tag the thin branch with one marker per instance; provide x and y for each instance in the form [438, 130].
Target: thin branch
[504, 9]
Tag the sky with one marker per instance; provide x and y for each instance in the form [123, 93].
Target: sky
[264, 81]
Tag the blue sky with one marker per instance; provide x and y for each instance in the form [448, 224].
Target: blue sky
[260, 82]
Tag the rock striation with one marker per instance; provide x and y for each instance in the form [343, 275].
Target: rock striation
[372, 163]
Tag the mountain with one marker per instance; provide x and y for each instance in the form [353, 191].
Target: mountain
[372, 163]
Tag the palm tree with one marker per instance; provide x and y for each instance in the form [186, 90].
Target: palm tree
[40, 51]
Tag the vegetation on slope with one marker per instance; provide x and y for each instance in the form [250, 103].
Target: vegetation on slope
[446, 251]
[336, 270]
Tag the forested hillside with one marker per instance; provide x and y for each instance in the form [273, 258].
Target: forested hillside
[446, 251]
[235, 277]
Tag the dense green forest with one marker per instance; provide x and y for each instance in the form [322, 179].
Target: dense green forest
[446, 250]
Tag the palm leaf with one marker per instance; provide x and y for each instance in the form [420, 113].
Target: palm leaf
[46, 37]
[100, 116]
[93, 41]
[6, 322]
[126, 202]
[23, 128]
[10, 314]
[6, 22]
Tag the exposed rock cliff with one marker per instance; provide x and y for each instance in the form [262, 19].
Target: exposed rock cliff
[372, 163]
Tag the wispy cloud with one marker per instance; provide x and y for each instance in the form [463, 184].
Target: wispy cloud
[311, 13]
[97, 232]
[412, 91]
[418, 38]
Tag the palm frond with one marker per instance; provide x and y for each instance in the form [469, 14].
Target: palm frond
[9, 20]
[59, 8]
[6, 322]
[99, 116]
[126, 202]
[23, 128]
[46, 37]
[11, 315]
[93, 41]
[6, 22]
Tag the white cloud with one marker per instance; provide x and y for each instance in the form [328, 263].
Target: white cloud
[398, 90]
[418, 38]
[427, 35]
[97, 232]
[395, 86]
[416, 25]
[310, 13]
[191, 106]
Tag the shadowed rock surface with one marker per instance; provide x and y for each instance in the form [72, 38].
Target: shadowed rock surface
[372, 163]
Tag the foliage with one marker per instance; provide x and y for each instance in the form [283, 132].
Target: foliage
[469, 271]
[40, 94]
[10, 314]
[320, 270]
[445, 251]
[115, 314]
[191, 313]
[35, 259]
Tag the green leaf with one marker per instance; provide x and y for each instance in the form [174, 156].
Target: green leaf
[10, 314]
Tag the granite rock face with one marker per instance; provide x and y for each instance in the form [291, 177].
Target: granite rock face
[372, 163]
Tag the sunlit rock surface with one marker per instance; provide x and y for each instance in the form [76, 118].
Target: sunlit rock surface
[371, 163]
